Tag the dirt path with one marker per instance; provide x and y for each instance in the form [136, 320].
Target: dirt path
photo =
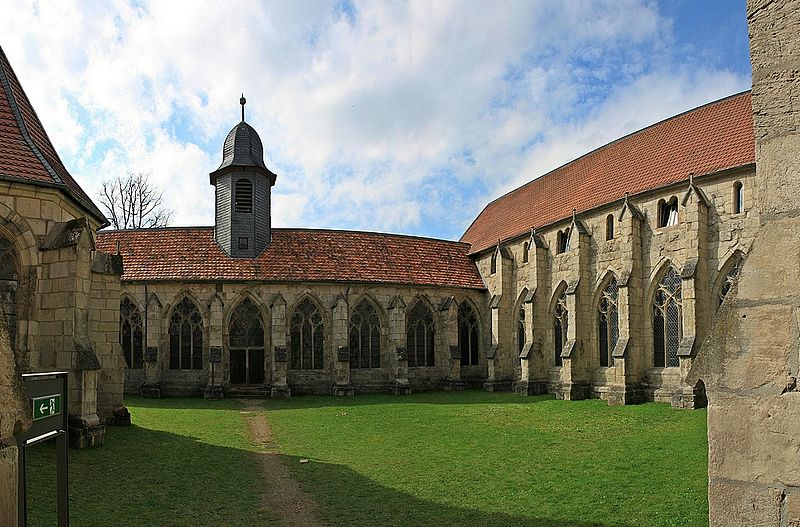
[283, 495]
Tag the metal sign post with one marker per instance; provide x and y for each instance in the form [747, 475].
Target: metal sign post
[47, 393]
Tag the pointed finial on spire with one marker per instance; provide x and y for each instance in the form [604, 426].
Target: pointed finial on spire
[573, 214]
[242, 101]
[691, 179]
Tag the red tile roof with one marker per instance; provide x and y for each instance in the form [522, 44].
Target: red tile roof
[26, 152]
[702, 141]
[295, 255]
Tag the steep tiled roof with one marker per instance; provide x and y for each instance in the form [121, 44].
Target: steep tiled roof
[26, 152]
[190, 254]
[702, 141]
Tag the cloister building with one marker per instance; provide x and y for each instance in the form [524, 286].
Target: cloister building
[598, 279]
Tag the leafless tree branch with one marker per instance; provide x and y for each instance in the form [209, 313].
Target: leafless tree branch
[131, 202]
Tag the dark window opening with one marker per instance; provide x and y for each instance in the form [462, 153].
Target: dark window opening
[738, 197]
[468, 335]
[610, 227]
[668, 212]
[246, 344]
[560, 326]
[525, 248]
[131, 335]
[562, 241]
[186, 337]
[420, 337]
[608, 323]
[365, 337]
[493, 264]
[667, 323]
[306, 337]
[243, 196]
[244, 243]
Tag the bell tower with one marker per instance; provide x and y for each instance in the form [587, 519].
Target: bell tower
[243, 183]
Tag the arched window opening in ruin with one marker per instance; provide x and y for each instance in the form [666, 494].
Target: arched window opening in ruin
[246, 344]
[468, 335]
[560, 325]
[608, 323]
[525, 248]
[610, 227]
[667, 323]
[186, 337]
[365, 336]
[131, 334]
[243, 196]
[521, 329]
[668, 212]
[306, 337]
[420, 336]
[731, 277]
[9, 281]
[738, 197]
[493, 263]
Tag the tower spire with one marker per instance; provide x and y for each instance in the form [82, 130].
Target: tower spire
[242, 101]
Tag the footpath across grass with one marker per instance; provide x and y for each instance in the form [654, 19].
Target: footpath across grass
[487, 459]
[439, 459]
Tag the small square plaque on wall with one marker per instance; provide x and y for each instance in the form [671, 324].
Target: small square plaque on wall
[151, 353]
[215, 354]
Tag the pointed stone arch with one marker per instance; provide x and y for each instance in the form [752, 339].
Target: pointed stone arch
[187, 332]
[365, 329]
[559, 317]
[307, 324]
[727, 276]
[605, 314]
[422, 332]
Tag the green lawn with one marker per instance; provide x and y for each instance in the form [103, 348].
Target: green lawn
[482, 459]
[439, 459]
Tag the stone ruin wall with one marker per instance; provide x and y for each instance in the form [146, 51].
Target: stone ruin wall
[750, 360]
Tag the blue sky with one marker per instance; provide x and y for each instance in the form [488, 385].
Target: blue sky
[394, 117]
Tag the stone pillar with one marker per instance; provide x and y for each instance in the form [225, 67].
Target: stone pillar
[534, 365]
[341, 353]
[14, 419]
[629, 362]
[577, 362]
[279, 355]
[397, 341]
[216, 365]
[152, 356]
[749, 362]
[695, 293]
[501, 356]
[449, 313]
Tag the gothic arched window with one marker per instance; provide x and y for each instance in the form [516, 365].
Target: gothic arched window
[306, 337]
[468, 335]
[365, 336]
[668, 212]
[420, 336]
[246, 344]
[521, 329]
[186, 337]
[738, 197]
[667, 324]
[560, 325]
[608, 322]
[730, 278]
[131, 334]
[8, 286]
[610, 227]
[243, 196]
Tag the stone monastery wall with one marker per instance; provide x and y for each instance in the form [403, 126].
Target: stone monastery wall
[706, 242]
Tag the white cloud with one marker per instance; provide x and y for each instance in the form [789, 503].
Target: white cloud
[409, 117]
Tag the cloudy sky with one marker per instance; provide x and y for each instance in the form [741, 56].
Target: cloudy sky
[386, 116]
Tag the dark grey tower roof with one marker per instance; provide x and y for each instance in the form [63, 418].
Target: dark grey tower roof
[243, 149]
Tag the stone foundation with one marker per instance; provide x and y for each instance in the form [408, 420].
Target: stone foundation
[85, 435]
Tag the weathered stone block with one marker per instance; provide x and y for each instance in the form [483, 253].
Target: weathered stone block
[734, 504]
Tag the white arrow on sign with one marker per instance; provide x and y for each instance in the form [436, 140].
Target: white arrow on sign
[43, 408]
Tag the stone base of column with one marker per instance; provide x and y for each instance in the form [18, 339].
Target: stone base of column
[151, 391]
[575, 391]
[497, 386]
[401, 387]
[455, 385]
[120, 416]
[280, 391]
[623, 395]
[531, 387]
[85, 435]
[689, 398]
[343, 390]
[214, 392]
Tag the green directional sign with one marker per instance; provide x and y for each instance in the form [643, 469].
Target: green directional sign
[46, 406]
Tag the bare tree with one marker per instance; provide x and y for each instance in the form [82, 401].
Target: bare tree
[131, 202]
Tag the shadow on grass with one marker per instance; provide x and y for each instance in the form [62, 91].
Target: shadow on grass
[142, 477]
[349, 499]
[322, 401]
